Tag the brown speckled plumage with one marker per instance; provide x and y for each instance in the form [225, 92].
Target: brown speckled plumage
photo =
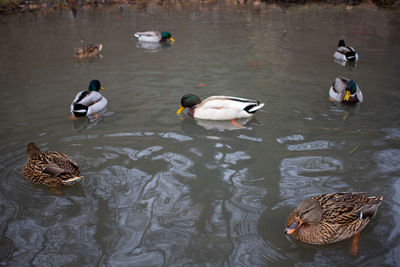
[88, 50]
[49, 168]
[340, 216]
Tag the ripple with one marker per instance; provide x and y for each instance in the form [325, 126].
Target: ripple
[179, 164]
[315, 145]
[249, 138]
[177, 137]
[127, 182]
[234, 157]
[306, 176]
[128, 134]
[388, 161]
[133, 154]
[296, 137]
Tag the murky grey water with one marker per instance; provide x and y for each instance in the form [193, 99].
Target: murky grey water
[162, 189]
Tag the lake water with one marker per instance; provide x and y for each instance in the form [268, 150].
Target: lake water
[163, 189]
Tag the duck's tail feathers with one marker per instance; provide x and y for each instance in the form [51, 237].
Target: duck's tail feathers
[80, 110]
[254, 108]
[351, 56]
[72, 179]
[137, 35]
[369, 210]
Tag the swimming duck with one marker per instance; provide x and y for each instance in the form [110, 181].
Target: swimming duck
[89, 102]
[345, 91]
[330, 218]
[154, 37]
[50, 168]
[88, 50]
[219, 107]
[345, 53]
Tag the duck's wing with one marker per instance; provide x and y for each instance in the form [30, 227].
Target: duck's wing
[221, 102]
[148, 34]
[62, 161]
[348, 208]
[343, 50]
[88, 98]
[339, 86]
[53, 169]
[89, 50]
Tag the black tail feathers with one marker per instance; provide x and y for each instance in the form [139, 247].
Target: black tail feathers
[80, 110]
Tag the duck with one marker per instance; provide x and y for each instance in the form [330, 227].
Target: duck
[50, 168]
[330, 218]
[219, 107]
[154, 37]
[345, 53]
[345, 91]
[88, 50]
[88, 102]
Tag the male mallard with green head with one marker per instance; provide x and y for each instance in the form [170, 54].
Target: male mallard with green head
[345, 91]
[89, 102]
[50, 168]
[345, 53]
[154, 37]
[219, 107]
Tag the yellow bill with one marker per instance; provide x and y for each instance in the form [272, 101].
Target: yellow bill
[181, 108]
[347, 96]
[172, 39]
[101, 88]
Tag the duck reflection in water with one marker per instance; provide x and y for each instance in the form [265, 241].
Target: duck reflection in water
[228, 125]
[90, 121]
[350, 65]
[153, 47]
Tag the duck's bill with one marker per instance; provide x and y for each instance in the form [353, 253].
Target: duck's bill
[102, 88]
[347, 96]
[172, 39]
[181, 108]
[293, 226]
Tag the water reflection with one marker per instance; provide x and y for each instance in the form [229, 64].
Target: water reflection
[91, 121]
[222, 125]
[303, 176]
[349, 65]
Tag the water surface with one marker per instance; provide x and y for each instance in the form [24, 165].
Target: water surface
[162, 189]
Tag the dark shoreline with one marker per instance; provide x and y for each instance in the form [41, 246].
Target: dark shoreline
[21, 6]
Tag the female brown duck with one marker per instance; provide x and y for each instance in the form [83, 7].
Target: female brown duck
[330, 218]
[50, 168]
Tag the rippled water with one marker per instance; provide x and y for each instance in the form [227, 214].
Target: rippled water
[162, 189]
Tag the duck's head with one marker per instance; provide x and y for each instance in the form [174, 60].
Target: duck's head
[188, 101]
[308, 212]
[167, 36]
[95, 86]
[351, 88]
[341, 43]
[32, 151]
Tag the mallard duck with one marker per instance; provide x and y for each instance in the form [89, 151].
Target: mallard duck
[88, 50]
[345, 91]
[89, 102]
[345, 53]
[49, 168]
[154, 37]
[330, 218]
[219, 107]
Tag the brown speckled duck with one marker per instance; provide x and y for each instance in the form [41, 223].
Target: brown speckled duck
[88, 50]
[50, 168]
[330, 218]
